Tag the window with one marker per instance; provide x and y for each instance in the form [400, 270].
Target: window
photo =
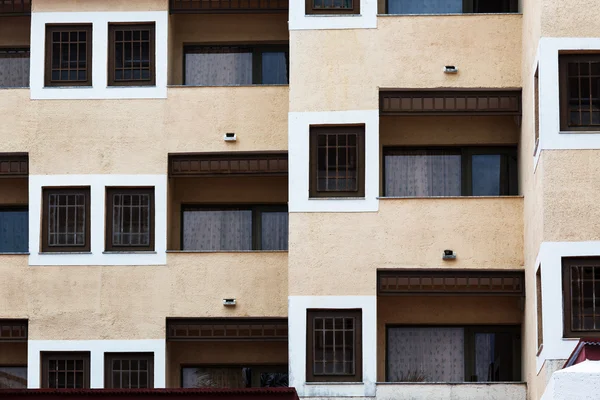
[235, 377]
[131, 55]
[234, 228]
[334, 346]
[14, 228]
[130, 219]
[129, 370]
[236, 65]
[14, 68]
[68, 55]
[579, 92]
[540, 321]
[432, 172]
[66, 220]
[581, 300]
[12, 377]
[332, 6]
[337, 161]
[536, 109]
[453, 354]
[68, 370]
[451, 6]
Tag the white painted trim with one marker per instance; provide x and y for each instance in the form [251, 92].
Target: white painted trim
[550, 257]
[298, 20]
[299, 161]
[98, 184]
[97, 348]
[100, 21]
[550, 136]
[297, 345]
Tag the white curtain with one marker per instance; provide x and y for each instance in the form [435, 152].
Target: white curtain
[274, 231]
[218, 69]
[426, 354]
[14, 71]
[425, 6]
[217, 230]
[484, 356]
[274, 68]
[418, 174]
[486, 174]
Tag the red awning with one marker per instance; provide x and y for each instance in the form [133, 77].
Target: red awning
[139, 394]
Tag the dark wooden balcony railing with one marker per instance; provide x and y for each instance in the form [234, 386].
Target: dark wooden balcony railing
[228, 6]
[15, 7]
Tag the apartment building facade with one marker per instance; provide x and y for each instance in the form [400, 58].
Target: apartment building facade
[384, 199]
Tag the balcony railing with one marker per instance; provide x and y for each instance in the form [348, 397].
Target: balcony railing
[15, 7]
[228, 6]
[14, 67]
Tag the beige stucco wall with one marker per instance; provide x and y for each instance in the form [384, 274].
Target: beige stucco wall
[97, 136]
[221, 353]
[189, 29]
[121, 302]
[13, 354]
[226, 190]
[405, 233]
[15, 31]
[569, 18]
[343, 69]
[14, 191]
[442, 310]
[98, 5]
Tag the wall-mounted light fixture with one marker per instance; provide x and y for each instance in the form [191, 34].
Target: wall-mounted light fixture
[449, 255]
[229, 302]
[450, 69]
[230, 137]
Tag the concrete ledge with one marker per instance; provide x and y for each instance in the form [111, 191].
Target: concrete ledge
[452, 391]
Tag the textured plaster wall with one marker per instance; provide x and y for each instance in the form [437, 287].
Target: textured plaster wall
[485, 233]
[343, 69]
[542, 379]
[135, 136]
[443, 310]
[98, 5]
[221, 353]
[13, 354]
[15, 31]
[132, 302]
[189, 29]
[226, 190]
[560, 18]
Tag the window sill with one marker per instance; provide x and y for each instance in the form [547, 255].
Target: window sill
[130, 87]
[231, 86]
[446, 14]
[334, 383]
[62, 253]
[224, 251]
[129, 252]
[68, 87]
[579, 132]
[449, 197]
[332, 15]
[14, 253]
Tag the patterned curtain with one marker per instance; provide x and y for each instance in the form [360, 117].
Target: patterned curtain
[423, 174]
[274, 68]
[14, 71]
[425, 6]
[274, 231]
[218, 69]
[484, 356]
[217, 230]
[426, 354]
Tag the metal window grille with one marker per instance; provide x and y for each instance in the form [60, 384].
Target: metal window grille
[337, 159]
[65, 370]
[132, 54]
[585, 297]
[131, 219]
[69, 51]
[129, 371]
[66, 219]
[333, 345]
[583, 88]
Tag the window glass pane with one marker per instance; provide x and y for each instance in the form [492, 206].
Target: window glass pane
[274, 68]
[333, 4]
[68, 55]
[217, 230]
[14, 228]
[14, 68]
[274, 230]
[423, 174]
[132, 54]
[224, 377]
[493, 357]
[13, 377]
[131, 219]
[66, 219]
[425, 6]
[333, 346]
[129, 373]
[491, 6]
[585, 290]
[337, 162]
[426, 354]
[223, 68]
[273, 379]
[486, 174]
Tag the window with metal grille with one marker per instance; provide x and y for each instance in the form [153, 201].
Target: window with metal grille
[14, 68]
[332, 6]
[131, 55]
[66, 220]
[68, 55]
[337, 161]
[129, 370]
[334, 346]
[581, 296]
[580, 92]
[67, 370]
[130, 219]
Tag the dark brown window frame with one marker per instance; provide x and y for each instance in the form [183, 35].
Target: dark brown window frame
[563, 60]
[112, 27]
[310, 9]
[14, 8]
[469, 355]
[51, 28]
[46, 192]
[21, 325]
[466, 153]
[568, 262]
[283, 368]
[538, 310]
[65, 355]
[359, 130]
[110, 190]
[257, 50]
[257, 210]
[353, 313]
[108, 367]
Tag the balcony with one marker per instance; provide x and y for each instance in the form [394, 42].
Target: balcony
[452, 391]
[15, 26]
